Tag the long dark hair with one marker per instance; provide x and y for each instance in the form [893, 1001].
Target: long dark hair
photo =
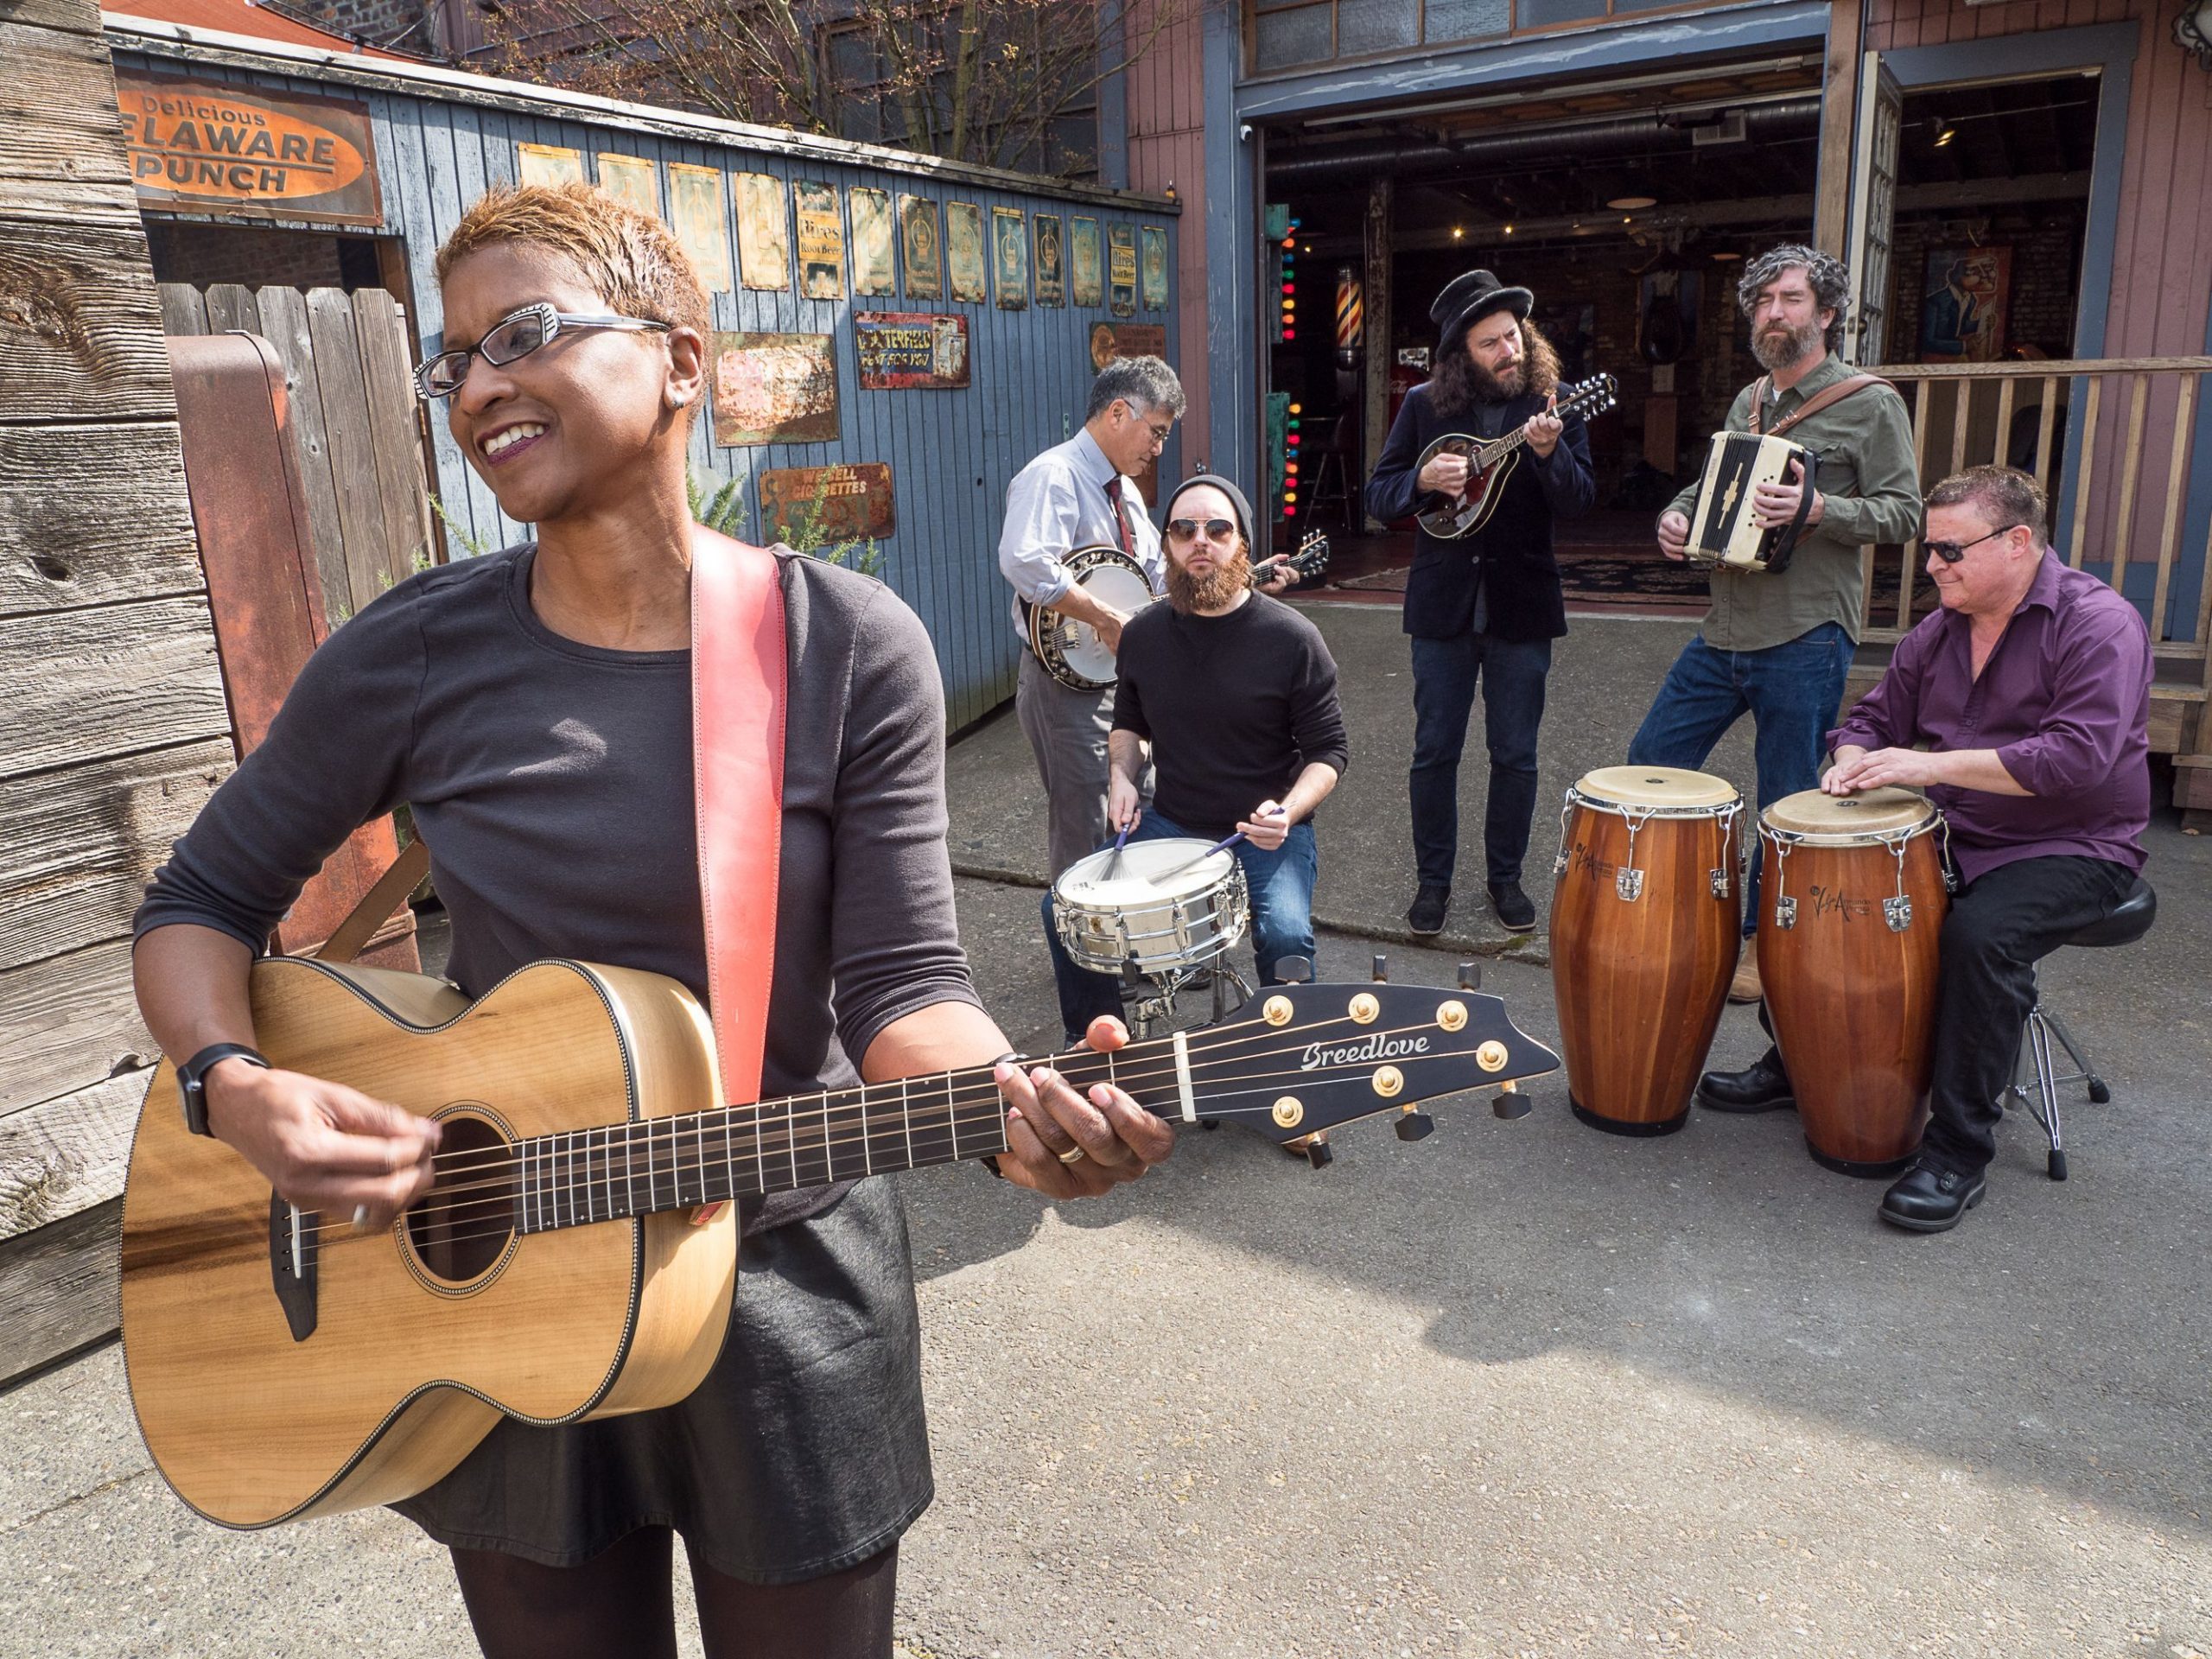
[1457, 386]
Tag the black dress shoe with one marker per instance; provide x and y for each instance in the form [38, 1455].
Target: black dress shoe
[1926, 1199]
[1763, 1086]
[1513, 906]
[1429, 906]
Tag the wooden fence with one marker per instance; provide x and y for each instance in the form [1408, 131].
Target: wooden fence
[347, 367]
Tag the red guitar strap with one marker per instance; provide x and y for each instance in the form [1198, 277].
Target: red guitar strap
[739, 698]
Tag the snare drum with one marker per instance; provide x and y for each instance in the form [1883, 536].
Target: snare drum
[1645, 931]
[1163, 923]
[1849, 924]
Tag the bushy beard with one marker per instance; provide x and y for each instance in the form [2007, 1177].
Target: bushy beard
[1776, 350]
[1190, 593]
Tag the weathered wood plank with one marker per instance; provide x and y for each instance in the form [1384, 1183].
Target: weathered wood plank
[284, 326]
[76, 847]
[401, 486]
[231, 309]
[80, 330]
[352, 454]
[93, 514]
[77, 16]
[71, 1021]
[2087, 473]
[184, 309]
[63, 1156]
[61, 1286]
[80, 684]
[57, 106]
[2177, 495]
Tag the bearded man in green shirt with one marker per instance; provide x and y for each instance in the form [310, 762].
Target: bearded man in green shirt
[1777, 646]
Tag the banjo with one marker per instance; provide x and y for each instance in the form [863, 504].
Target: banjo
[1491, 463]
[1072, 652]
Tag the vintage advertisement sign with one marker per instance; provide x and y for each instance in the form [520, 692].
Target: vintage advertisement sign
[1051, 264]
[924, 248]
[774, 389]
[1083, 263]
[630, 181]
[1010, 258]
[239, 152]
[821, 241]
[874, 268]
[763, 236]
[695, 213]
[900, 351]
[548, 164]
[1153, 268]
[1111, 340]
[1122, 268]
[807, 506]
[964, 250]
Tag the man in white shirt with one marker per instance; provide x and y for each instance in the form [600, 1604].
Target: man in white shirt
[1083, 493]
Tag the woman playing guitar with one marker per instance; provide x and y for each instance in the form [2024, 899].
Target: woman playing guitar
[534, 708]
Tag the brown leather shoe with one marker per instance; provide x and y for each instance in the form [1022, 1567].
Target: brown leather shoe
[1744, 987]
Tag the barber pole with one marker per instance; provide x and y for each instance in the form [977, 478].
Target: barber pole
[1352, 321]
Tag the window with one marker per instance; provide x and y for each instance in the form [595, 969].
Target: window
[1289, 34]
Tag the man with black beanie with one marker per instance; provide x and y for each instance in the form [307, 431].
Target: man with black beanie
[1485, 607]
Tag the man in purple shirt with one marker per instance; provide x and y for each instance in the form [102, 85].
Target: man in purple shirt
[2030, 692]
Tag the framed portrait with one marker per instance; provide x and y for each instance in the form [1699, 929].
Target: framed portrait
[1010, 258]
[821, 241]
[1052, 261]
[874, 269]
[963, 251]
[695, 213]
[1963, 303]
[764, 233]
[1085, 265]
[1121, 269]
[1152, 266]
[925, 247]
[630, 181]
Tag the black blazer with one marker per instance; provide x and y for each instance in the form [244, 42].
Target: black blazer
[1513, 550]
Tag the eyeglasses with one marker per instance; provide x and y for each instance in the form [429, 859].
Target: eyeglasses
[1216, 529]
[1952, 552]
[515, 336]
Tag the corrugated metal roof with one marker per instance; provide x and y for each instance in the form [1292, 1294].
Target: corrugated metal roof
[246, 17]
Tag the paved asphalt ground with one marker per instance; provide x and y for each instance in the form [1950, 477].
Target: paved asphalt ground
[1517, 1389]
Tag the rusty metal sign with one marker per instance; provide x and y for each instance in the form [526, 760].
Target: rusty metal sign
[774, 389]
[903, 350]
[1121, 269]
[239, 152]
[1111, 340]
[808, 506]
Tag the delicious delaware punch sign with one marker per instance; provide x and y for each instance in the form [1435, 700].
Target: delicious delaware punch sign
[240, 152]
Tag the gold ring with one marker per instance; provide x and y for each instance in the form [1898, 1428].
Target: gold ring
[1072, 1156]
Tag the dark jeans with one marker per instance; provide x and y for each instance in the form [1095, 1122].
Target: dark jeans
[1791, 691]
[2000, 925]
[1279, 885]
[1511, 672]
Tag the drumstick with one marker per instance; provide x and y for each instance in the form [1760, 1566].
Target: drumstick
[1221, 846]
[1114, 862]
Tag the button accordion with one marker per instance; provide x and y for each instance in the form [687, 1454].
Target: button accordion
[1724, 529]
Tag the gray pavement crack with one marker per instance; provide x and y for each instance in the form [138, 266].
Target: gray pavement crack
[75, 1498]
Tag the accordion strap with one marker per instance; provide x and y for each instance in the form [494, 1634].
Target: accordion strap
[1826, 397]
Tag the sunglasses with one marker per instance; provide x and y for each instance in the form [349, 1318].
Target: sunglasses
[515, 336]
[1952, 552]
[1216, 529]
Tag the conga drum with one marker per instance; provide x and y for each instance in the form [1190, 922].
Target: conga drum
[1850, 914]
[1645, 930]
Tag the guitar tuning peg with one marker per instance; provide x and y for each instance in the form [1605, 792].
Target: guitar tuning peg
[1295, 971]
[1510, 1103]
[1382, 968]
[1319, 1153]
[1471, 975]
[1414, 1126]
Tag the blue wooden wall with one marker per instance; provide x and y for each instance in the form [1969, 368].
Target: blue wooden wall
[951, 452]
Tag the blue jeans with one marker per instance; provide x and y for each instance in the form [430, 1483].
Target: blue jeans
[1791, 691]
[1280, 887]
[1512, 673]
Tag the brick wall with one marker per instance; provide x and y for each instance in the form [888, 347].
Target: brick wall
[200, 254]
[374, 21]
[2046, 243]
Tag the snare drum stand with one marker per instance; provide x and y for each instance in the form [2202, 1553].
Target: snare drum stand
[1151, 997]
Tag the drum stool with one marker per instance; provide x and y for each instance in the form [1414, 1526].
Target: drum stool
[2126, 922]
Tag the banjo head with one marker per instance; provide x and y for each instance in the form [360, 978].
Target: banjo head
[1071, 650]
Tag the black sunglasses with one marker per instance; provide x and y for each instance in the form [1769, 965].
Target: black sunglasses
[515, 335]
[1952, 552]
[1216, 529]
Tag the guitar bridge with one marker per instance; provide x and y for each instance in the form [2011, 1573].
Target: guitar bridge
[294, 1243]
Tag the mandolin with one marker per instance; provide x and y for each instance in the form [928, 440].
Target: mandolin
[283, 1365]
[1491, 463]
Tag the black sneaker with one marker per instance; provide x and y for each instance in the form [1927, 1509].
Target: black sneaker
[1514, 907]
[1428, 910]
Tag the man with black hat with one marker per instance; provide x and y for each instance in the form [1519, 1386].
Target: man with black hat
[1237, 694]
[1485, 607]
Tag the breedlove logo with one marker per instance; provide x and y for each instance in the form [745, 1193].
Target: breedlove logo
[1376, 1046]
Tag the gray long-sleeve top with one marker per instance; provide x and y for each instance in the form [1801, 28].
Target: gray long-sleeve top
[552, 783]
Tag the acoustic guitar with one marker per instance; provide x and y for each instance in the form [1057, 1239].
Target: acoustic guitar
[1489, 463]
[283, 1365]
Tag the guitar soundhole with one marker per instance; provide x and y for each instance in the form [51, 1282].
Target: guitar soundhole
[462, 1226]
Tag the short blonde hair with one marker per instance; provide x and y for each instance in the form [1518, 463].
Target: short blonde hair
[630, 257]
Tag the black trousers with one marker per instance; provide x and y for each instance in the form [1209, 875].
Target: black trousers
[2000, 925]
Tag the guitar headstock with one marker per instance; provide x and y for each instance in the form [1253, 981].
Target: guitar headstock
[1311, 559]
[1302, 1059]
[1592, 397]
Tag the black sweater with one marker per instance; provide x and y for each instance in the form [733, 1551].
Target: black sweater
[1510, 556]
[1235, 706]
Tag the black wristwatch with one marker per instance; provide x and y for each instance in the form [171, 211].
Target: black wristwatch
[191, 1079]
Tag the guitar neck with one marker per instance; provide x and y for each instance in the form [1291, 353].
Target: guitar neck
[803, 1141]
